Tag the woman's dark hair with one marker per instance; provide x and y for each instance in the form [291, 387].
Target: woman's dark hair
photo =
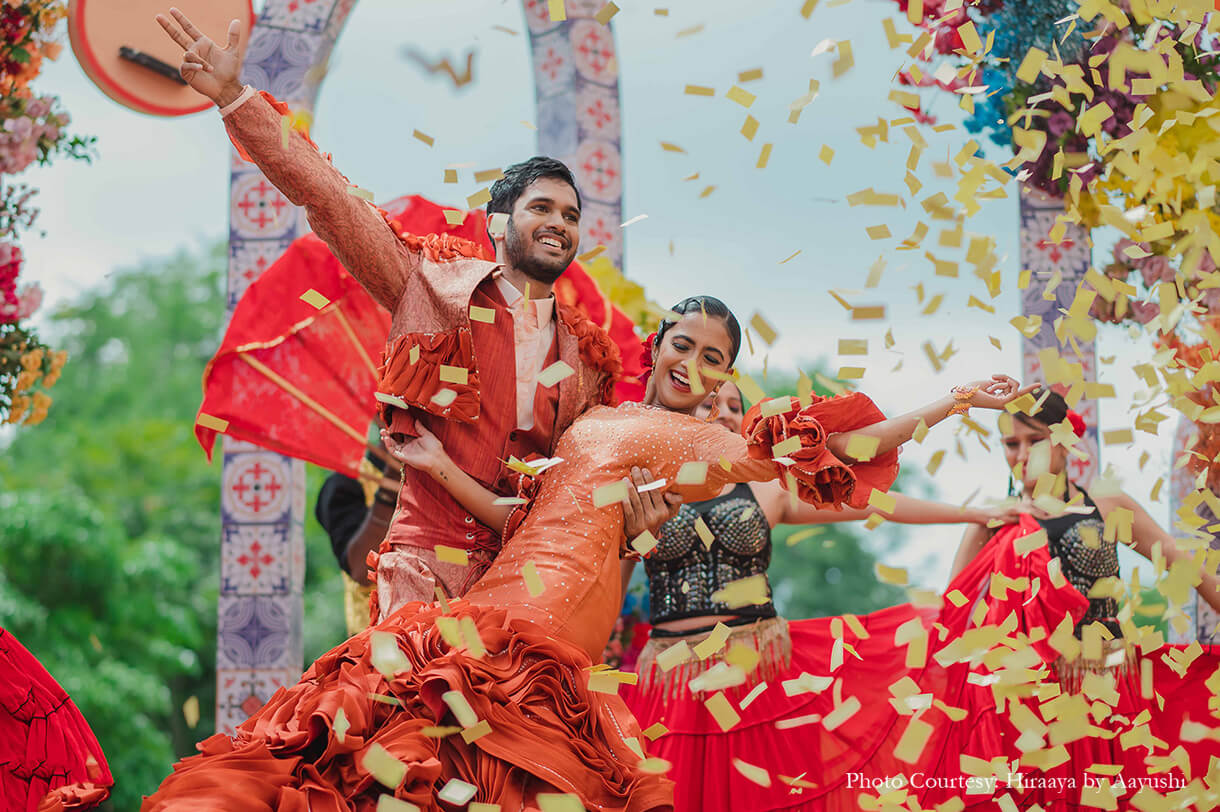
[709, 306]
[507, 190]
[1054, 410]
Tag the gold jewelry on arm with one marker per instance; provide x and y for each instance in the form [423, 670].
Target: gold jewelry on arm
[962, 396]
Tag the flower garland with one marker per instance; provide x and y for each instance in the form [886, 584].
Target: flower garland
[32, 129]
[1051, 107]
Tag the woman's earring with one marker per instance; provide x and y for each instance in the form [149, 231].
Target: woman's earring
[713, 414]
[1012, 486]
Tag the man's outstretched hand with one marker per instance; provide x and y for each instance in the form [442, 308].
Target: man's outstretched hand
[209, 69]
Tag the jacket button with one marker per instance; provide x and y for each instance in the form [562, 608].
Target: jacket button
[470, 536]
[469, 520]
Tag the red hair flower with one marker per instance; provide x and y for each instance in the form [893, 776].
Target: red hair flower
[1077, 422]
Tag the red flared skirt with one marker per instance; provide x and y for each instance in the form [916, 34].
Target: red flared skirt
[1145, 728]
[546, 731]
[49, 758]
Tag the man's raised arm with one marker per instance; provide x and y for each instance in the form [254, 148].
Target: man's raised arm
[354, 229]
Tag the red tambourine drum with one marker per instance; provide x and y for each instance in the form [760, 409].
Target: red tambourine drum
[128, 55]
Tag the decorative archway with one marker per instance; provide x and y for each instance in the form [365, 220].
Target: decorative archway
[263, 506]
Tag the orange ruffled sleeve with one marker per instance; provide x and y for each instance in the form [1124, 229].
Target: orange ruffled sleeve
[821, 478]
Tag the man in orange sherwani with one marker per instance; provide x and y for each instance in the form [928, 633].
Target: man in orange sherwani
[469, 337]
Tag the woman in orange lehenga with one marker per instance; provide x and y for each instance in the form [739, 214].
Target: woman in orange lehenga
[508, 666]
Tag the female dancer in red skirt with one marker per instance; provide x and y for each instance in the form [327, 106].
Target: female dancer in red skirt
[1096, 711]
[49, 758]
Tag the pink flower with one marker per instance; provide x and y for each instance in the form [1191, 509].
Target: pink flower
[1155, 268]
[1144, 312]
[29, 299]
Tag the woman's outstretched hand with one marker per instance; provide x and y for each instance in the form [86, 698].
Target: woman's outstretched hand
[209, 69]
[424, 453]
[997, 392]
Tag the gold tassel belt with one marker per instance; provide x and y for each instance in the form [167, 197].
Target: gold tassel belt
[768, 637]
[1117, 658]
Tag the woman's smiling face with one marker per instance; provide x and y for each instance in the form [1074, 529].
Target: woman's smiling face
[696, 338]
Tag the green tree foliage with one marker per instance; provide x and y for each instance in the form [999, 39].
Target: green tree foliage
[110, 525]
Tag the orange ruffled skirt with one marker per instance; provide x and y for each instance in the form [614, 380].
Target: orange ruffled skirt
[548, 732]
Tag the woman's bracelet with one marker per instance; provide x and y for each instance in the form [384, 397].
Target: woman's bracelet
[962, 396]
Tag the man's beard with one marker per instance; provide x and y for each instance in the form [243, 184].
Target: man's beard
[543, 271]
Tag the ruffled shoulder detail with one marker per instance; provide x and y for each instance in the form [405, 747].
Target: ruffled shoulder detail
[441, 247]
[597, 350]
[821, 478]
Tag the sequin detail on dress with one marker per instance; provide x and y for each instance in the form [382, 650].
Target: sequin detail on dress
[684, 572]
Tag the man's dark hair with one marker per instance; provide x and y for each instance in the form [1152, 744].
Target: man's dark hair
[1053, 412]
[712, 307]
[507, 190]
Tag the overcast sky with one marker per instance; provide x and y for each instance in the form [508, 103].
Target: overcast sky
[162, 184]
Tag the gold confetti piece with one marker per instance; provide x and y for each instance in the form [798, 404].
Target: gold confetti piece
[451, 176]
[488, 175]
[764, 156]
[740, 95]
[363, 194]
[606, 13]
[452, 374]
[704, 532]
[479, 198]
[427, 139]
[644, 543]
[890, 575]
[790, 256]
[497, 223]
[190, 711]
[486, 315]
[388, 803]
[750, 128]
[388, 770]
[340, 726]
[603, 682]
[853, 346]
[706, 191]
[478, 806]
[913, 741]
[743, 657]
[555, 373]
[528, 124]
[674, 656]
[764, 329]
[718, 705]
[878, 232]
[1118, 437]
[440, 732]
[789, 446]
[452, 555]
[700, 90]
[850, 373]
[610, 494]
[556, 10]
[752, 391]
[444, 397]
[884, 502]
[462, 711]
[588, 255]
[750, 591]
[457, 792]
[213, 423]
[757, 775]
[312, 297]
[533, 581]
[845, 62]
[668, 147]
[386, 656]
[689, 32]
[559, 802]
[711, 644]
[454, 217]
[849, 708]
[656, 731]
[692, 473]
[862, 447]
[826, 154]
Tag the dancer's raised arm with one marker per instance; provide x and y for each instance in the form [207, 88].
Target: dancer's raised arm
[991, 394]
[355, 230]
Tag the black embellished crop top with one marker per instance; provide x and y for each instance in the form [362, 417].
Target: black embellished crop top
[684, 571]
[1079, 543]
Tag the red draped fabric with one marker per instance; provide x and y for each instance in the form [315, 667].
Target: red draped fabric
[300, 380]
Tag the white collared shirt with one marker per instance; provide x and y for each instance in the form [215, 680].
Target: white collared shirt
[533, 332]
